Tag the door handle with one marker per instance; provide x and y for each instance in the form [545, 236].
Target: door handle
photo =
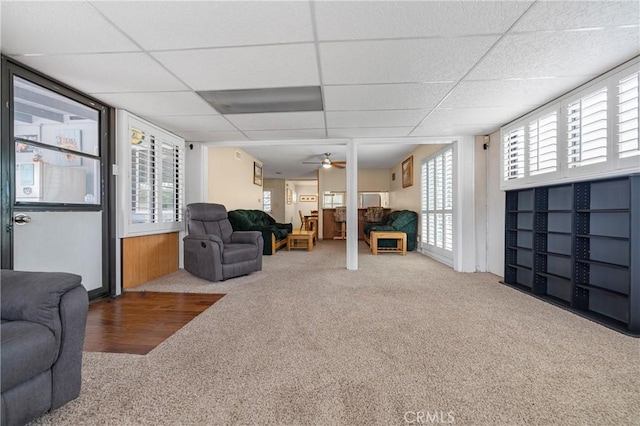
[21, 219]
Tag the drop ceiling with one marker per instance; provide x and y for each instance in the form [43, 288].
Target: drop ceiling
[391, 69]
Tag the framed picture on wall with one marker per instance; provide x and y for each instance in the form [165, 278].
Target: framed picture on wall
[289, 196]
[308, 198]
[407, 172]
[257, 173]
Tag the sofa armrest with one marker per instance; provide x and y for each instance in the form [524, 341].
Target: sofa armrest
[203, 256]
[379, 228]
[287, 226]
[247, 237]
[205, 237]
[66, 373]
[35, 296]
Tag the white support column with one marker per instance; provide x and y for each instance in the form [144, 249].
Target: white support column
[464, 256]
[352, 205]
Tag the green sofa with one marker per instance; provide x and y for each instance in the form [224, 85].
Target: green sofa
[273, 233]
[400, 220]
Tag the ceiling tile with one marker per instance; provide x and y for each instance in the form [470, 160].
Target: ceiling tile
[559, 53]
[197, 24]
[474, 116]
[384, 96]
[58, 27]
[370, 132]
[286, 134]
[510, 93]
[105, 73]
[278, 120]
[392, 118]
[244, 67]
[560, 15]
[436, 131]
[401, 61]
[166, 103]
[200, 123]
[211, 136]
[370, 20]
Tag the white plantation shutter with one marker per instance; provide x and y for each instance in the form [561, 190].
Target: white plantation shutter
[448, 200]
[543, 140]
[437, 204]
[143, 170]
[172, 190]
[587, 129]
[590, 132]
[513, 144]
[154, 197]
[628, 117]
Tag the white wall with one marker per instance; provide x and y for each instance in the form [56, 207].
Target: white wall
[278, 201]
[409, 198]
[230, 180]
[194, 173]
[369, 180]
[481, 204]
[307, 188]
[495, 208]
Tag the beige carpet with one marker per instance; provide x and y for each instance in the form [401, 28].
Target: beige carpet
[306, 342]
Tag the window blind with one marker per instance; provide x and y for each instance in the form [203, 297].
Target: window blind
[143, 172]
[587, 129]
[171, 184]
[628, 117]
[437, 203]
[513, 144]
[543, 144]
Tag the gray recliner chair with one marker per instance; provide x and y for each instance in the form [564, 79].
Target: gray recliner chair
[43, 323]
[213, 251]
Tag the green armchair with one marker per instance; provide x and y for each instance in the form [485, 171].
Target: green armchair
[402, 221]
[273, 233]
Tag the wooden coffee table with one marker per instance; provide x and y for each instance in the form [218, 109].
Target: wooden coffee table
[301, 239]
[400, 237]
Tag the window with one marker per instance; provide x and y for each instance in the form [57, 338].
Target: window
[542, 144]
[436, 178]
[628, 117]
[171, 185]
[154, 194]
[331, 200]
[266, 201]
[514, 154]
[591, 132]
[56, 147]
[587, 129]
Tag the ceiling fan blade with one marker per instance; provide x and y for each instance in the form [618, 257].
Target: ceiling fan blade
[311, 162]
[339, 162]
[336, 165]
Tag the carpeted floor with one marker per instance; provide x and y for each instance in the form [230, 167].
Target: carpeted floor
[306, 342]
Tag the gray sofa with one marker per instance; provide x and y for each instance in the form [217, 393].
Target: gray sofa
[44, 316]
[213, 250]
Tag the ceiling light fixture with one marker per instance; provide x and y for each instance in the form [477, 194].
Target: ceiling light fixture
[326, 163]
[274, 99]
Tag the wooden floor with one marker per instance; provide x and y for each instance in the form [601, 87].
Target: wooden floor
[137, 322]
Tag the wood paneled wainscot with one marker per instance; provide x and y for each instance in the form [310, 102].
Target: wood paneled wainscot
[330, 228]
[148, 257]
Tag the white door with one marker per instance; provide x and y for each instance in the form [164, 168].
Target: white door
[58, 198]
[60, 242]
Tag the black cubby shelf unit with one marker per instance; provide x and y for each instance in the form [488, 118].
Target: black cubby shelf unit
[577, 245]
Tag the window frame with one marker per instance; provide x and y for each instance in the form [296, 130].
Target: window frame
[612, 166]
[440, 253]
[157, 225]
[266, 194]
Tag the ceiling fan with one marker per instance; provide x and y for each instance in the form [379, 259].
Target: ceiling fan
[327, 163]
